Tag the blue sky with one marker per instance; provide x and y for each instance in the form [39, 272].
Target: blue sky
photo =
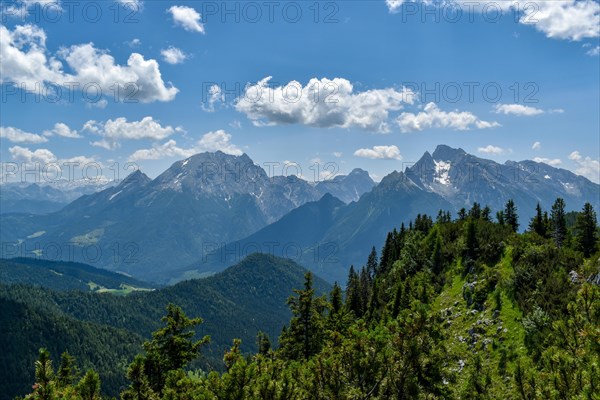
[369, 84]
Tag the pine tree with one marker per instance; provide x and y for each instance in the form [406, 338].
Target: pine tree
[89, 386]
[436, 260]
[537, 223]
[510, 215]
[365, 289]
[372, 263]
[353, 302]
[304, 337]
[500, 217]
[586, 229]
[475, 211]
[558, 222]
[486, 214]
[263, 343]
[462, 214]
[471, 246]
[336, 299]
[44, 386]
[139, 389]
[171, 346]
[67, 371]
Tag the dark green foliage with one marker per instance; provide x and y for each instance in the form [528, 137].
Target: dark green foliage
[304, 337]
[538, 224]
[587, 228]
[511, 216]
[558, 222]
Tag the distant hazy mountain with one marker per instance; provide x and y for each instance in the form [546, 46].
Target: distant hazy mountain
[349, 187]
[148, 228]
[44, 198]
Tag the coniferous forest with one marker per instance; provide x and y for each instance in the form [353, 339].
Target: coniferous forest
[464, 308]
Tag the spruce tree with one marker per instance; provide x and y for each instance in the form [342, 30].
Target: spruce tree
[586, 229]
[89, 386]
[353, 301]
[171, 347]
[372, 263]
[67, 371]
[510, 215]
[537, 223]
[304, 337]
[558, 222]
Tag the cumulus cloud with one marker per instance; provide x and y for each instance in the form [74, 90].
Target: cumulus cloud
[322, 103]
[517, 109]
[490, 149]
[16, 135]
[586, 166]
[536, 146]
[550, 161]
[61, 129]
[187, 18]
[173, 55]
[566, 19]
[112, 131]
[433, 117]
[394, 5]
[557, 19]
[380, 153]
[593, 52]
[214, 95]
[211, 141]
[24, 154]
[27, 61]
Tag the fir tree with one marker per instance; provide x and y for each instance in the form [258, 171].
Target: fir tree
[586, 229]
[537, 223]
[510, 215]
[558, 222]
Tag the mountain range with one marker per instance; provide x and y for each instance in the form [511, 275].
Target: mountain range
[212, 209]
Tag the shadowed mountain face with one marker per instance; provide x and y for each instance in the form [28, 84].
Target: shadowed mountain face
[147, 228]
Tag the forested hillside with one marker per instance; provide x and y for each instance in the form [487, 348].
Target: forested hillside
[464, 308]
[105, 331]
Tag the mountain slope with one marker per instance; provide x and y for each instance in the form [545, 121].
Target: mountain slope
[147, 228]
[236, 303]
[58, 275]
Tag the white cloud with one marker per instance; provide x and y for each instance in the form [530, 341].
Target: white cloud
[566, 19]
[211, 141]
[218, 140]
[215, 94]
[114, 130]
[61, 129]
[394, 5]
[26, 61]
[586, 166]
[173, 55]
[321, 103]
[550, 161]
[187, 18]
[536, 146]
[380, 153]
[433, 117]
[337, 154]
[16, 135]
[517, 109]
[593, 52]
[490, 149]
[133, 43]
[26, 155]
[558, 19]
